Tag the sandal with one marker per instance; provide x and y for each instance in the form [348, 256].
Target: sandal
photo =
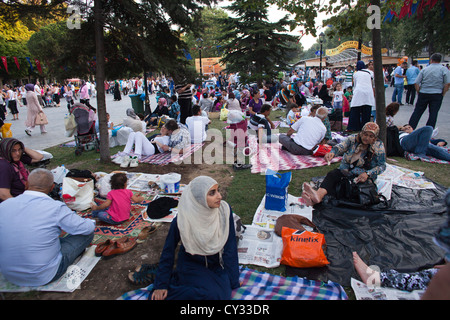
[144, 274]
[145, 233]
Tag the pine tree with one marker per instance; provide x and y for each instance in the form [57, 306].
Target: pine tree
[253, 46]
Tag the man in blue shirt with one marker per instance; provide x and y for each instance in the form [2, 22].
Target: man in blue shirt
[32, 253]
[432, 83]
[411, 75]
[399, 79]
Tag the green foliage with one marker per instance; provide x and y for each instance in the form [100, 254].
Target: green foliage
[255, 47]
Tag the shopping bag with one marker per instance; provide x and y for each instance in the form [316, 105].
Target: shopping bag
[6, 130]
[321, 150]
[41, 119]
[303, 249]
[277, 190]
[78, 193]
[70, 123]
[223, 114]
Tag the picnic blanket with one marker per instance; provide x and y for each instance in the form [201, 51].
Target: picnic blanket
[69, 282]
[257, 285]
[270, 156]
[165, 158]
[413, 156]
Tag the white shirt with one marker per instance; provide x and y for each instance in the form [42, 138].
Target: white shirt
[197, 129]
[310, 131]
[363, 89]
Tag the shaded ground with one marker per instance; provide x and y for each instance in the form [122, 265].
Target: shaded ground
[109, 278]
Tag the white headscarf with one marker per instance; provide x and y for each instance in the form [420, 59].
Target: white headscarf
[203, 230]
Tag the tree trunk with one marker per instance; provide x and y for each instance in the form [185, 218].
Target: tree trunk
[105, 155]
[379, 79]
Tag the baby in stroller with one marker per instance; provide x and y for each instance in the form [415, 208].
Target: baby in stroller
[86, 137]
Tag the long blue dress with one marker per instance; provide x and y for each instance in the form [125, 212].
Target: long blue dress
[198, 277]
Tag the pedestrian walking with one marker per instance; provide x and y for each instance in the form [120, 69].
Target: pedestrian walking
[432, 83]
[34, 108]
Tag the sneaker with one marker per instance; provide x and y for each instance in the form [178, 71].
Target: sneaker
[28, 132]
[118, 160]
[125, 162]
[239, 166]
[134, 162]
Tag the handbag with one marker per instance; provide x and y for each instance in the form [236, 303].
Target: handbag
[362, 194]
[41, 119]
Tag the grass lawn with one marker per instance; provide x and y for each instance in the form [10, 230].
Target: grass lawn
[246, 190]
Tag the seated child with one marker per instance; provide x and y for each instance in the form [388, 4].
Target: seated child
[391, 111]
[117, 207]
[293, 115]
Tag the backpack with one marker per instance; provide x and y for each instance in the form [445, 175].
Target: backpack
[393, 147]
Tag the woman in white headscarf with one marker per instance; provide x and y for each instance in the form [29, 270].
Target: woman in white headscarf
[207, 265]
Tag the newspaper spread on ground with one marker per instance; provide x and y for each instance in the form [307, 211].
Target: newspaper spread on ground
[259, 244]
[267, 218]
[402, 177]
[363, 292]
[261, 247]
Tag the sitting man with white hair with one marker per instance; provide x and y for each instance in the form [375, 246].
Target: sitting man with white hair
[309, 132]
[32, 253]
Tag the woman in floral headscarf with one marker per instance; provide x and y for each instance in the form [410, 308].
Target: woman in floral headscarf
[363, 157]
[14, 175]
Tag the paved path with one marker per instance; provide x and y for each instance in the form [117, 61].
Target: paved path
[55, 128]
[117, 109]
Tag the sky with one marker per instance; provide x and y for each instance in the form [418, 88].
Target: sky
[275, 15]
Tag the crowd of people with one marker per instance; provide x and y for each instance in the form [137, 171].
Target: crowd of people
[207, 261]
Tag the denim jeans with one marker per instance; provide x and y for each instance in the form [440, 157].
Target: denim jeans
[431, 100]
[418, 142]
[398, 93]
[72, 246]
[104, 216]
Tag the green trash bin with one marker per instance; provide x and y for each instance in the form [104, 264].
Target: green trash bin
[136, 103]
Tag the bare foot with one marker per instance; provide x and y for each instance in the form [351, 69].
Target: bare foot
[311, 193]
[307, 199]
[369, 276]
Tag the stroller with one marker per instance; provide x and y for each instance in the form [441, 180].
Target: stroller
[85, 137]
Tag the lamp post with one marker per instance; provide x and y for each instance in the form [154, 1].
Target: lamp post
[200, 46]
[321, 38]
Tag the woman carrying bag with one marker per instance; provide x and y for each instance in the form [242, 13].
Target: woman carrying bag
[35, 114]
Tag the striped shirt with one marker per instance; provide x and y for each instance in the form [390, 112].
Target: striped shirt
[187, 94]
[348, 76]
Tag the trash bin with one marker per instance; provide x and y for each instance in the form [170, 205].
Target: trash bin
[136, 103]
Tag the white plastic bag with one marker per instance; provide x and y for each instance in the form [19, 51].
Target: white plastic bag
[59, 173]
[104, 185]
[78, 195]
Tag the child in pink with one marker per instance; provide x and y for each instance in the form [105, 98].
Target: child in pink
[118, 202]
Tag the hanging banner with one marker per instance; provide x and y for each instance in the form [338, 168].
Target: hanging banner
[5, 63]
[17, 63]
[351, 45]
[29, 61]
[38, 65]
